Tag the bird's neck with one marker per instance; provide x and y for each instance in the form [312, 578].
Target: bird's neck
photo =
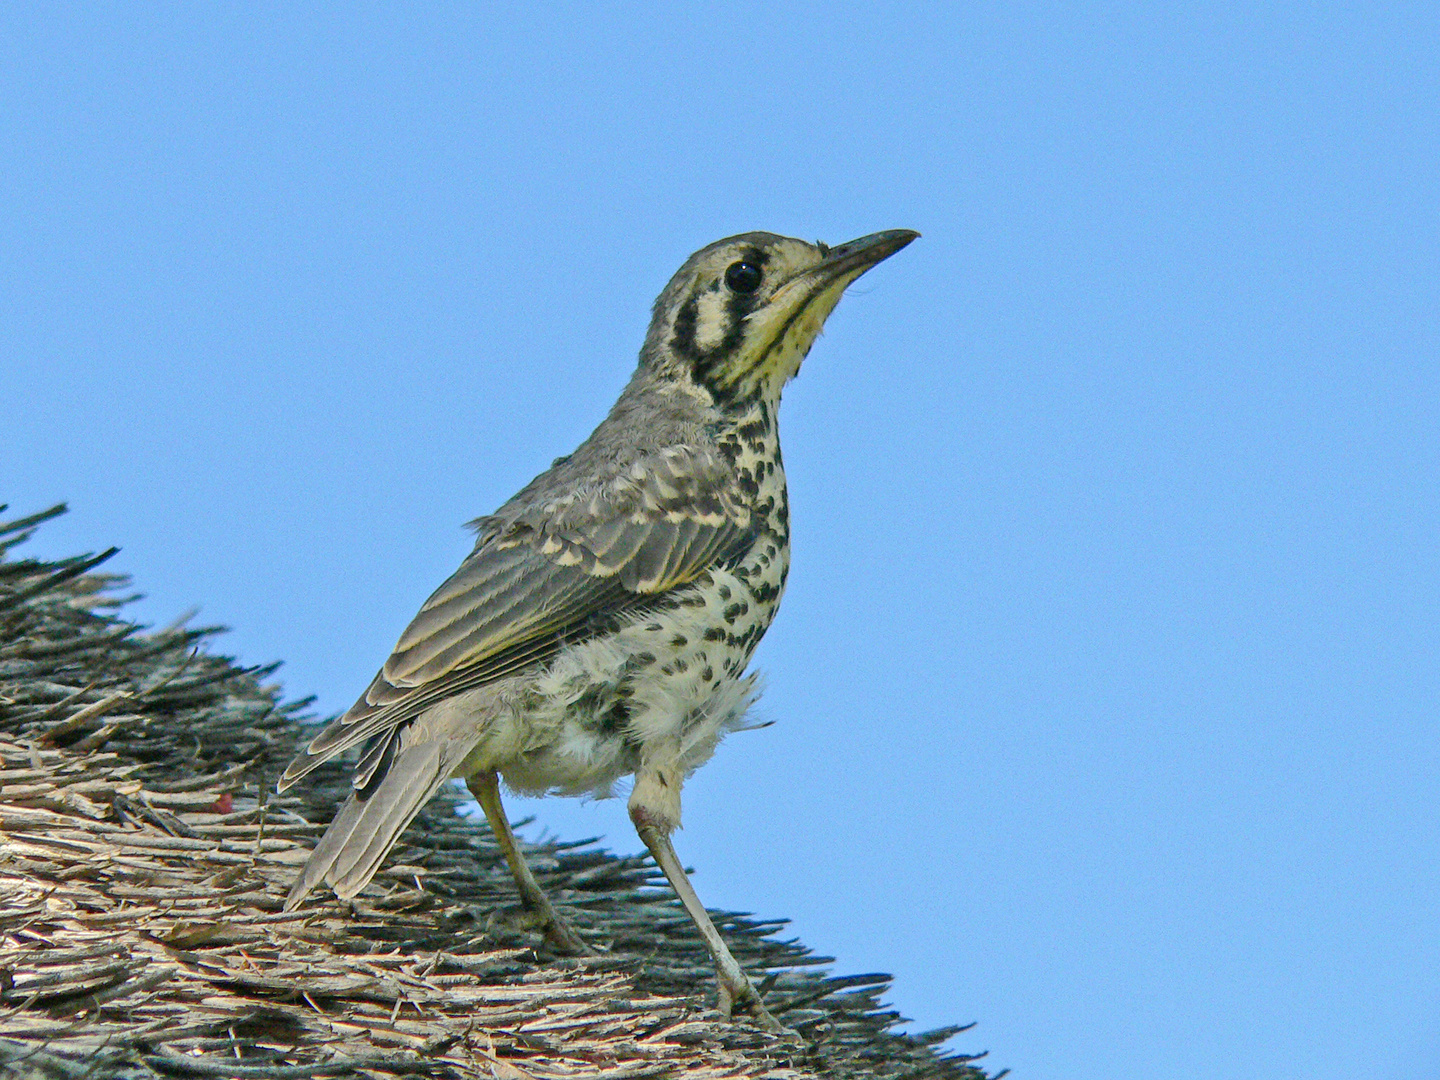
[749, 439]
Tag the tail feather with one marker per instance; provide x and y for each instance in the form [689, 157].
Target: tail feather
[370, 822]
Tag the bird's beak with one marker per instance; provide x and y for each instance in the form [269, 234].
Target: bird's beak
[819, 287]
[849, 260]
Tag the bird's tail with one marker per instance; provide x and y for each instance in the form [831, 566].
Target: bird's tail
[372, 819]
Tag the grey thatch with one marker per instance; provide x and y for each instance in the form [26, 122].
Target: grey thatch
[143, 864]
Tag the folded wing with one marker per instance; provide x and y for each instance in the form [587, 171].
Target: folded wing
[536, 582]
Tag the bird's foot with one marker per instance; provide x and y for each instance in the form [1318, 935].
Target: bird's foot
[745, 1000]
[564, 940]
[561, 939]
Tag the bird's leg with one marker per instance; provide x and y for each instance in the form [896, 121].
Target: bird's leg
[655, 810]
[486, 789]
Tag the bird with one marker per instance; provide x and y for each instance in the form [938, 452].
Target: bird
[603, 624]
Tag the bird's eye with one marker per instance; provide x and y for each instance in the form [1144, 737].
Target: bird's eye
[743, 277]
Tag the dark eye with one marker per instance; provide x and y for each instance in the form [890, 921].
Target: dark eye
[743, 277]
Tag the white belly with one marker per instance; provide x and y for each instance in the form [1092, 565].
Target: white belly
[658, 687]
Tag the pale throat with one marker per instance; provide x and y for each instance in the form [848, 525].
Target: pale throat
[789, 340]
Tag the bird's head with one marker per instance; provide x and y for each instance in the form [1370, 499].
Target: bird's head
[740, 315]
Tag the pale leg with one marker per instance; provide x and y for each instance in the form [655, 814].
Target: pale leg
[736, 992]
[486, 789]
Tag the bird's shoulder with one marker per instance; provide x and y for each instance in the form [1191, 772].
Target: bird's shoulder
[647, 464]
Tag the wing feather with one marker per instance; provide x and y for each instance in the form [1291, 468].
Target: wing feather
[537, 582]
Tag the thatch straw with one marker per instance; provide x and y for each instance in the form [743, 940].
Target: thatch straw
[143, 862]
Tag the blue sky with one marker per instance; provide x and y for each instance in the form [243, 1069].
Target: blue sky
[1105, 685]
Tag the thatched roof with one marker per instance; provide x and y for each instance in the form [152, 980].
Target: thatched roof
[144, 858]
